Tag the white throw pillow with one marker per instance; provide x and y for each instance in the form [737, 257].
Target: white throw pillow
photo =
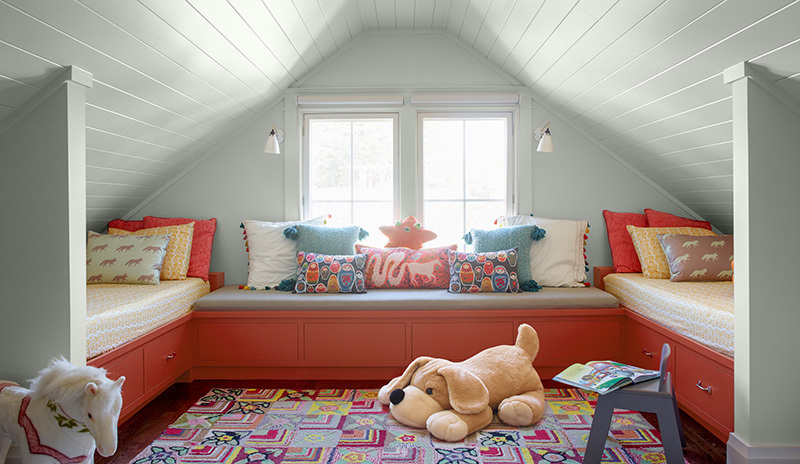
[557, 259]
[272, 257]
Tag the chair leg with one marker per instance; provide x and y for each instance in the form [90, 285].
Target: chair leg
[671, 433]
[678, 418]
[599, 432]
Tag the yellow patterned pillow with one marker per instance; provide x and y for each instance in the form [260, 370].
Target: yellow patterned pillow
[179, 249]
[648, 247]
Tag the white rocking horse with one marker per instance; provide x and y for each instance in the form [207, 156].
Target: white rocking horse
[67, 412]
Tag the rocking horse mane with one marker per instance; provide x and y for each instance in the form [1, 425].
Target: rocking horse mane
[63, 382]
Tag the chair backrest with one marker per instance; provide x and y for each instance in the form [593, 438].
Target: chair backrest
[664, 379]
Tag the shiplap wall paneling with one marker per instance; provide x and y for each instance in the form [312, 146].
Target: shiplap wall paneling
[314, 21]
[713, 152]
[91, 33]
[654, 28]
[696, 95]
[404, 14]
[535, 35]
[548, 72]
[474, 18]
[210, 64]
[287, 16]
[523, 13]
[423, 14]
[676, 123]
[714, 133]
[713, 42]
[104, 95]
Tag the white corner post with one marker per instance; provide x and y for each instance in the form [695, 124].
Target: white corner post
[43, 182]
[766, 194]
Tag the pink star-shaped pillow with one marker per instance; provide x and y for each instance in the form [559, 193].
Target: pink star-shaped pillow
[407, 233]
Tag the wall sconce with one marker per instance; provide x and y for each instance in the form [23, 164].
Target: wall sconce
[274, 139]
[542, 135]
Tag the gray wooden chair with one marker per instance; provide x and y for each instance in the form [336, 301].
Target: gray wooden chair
[654, 396]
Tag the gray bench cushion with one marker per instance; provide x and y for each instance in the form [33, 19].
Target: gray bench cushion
[230, 298]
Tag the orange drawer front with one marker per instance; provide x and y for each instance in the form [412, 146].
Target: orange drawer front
[167, 356]
[643, 348]
[457, 341]
[132, 367]
[355, 343]
[578, 341]
[716, 402]
[247, 341]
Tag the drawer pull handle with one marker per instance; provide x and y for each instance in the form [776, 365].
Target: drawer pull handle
[701, 387]
[171, 355]
[647, 353]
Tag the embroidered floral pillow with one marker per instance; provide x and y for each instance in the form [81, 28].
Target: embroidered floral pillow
[493, 271]
[317, 273]
[406, 268]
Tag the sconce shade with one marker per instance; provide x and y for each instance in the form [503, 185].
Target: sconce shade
[546, 143]
[542, 135]
[273, 141]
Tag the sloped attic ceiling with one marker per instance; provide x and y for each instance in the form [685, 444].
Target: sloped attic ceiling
[174, 78]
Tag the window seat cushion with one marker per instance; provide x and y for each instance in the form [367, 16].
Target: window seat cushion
[231, 298]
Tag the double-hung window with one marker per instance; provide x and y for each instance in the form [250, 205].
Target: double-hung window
[465, 161]
[351, 171]
[459, 179]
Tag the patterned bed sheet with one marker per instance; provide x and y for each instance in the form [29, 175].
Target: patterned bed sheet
[117, 313]
[701, 311]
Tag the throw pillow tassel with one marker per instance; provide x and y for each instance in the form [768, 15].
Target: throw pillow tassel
[291, 233]
[530, 286]
[286, 285]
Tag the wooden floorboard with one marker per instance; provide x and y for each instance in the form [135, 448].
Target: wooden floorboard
[702, 447]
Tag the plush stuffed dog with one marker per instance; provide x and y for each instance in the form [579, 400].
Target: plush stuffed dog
[455, 399]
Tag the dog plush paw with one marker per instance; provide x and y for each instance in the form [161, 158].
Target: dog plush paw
[513, 411]
[447, 426]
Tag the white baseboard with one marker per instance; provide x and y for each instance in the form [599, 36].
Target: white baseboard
[741, 453]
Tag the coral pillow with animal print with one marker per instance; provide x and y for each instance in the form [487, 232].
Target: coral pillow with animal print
[406, 268]
[693, 259]
[125, 259]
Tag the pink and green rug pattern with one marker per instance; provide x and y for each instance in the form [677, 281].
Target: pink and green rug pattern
[240, 426]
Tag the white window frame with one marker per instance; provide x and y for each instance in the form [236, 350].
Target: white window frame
[344, 116]
[511, 168]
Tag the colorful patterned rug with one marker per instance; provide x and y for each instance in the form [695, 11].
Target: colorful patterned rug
[240, 426]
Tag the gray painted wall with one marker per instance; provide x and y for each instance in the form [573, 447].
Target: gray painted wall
[240, 182]
[43, 277]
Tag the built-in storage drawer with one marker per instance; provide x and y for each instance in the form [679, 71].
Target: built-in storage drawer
[248, 341]
[705, 386]
[132, 367]
[457, 341]
[167, 356]
[565, 342]
[643, 348]
[354, 343]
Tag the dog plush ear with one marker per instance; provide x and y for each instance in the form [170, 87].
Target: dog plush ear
[468, 394]
[403, 380]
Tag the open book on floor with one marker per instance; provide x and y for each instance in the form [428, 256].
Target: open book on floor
[604, 376]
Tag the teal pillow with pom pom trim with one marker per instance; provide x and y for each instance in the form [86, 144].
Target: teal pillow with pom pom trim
[326, 240]
[504, 238]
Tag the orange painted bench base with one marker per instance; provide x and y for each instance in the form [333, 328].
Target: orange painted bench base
[380, 344]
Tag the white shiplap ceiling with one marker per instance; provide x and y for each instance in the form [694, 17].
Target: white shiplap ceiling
[173, 77]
